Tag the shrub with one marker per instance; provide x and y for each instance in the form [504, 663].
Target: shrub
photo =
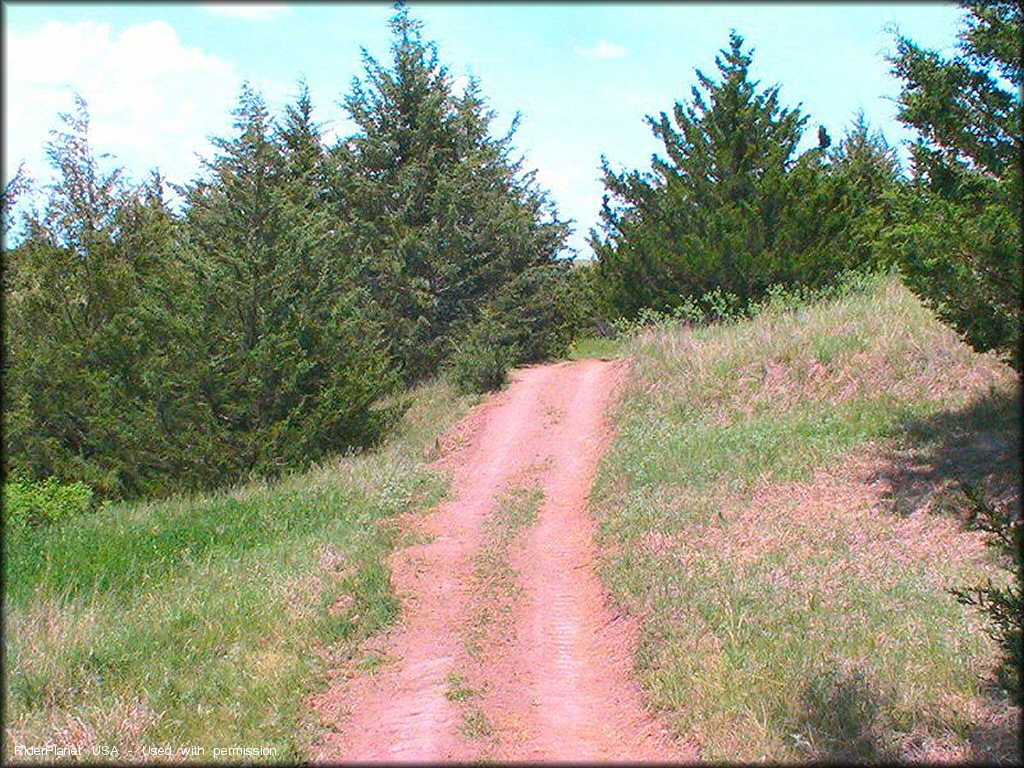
[28, 502]
[541, 310]
[719, 306]
[481, 361]
[1004, 606]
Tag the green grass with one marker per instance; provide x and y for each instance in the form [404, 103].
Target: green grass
[208, 620]
[586, 347]
[790, 613]
[475, 726]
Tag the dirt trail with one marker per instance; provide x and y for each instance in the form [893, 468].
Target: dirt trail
[556, 685]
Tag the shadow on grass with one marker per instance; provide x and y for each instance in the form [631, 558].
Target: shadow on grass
[978, 445]
[996, 736]
[844, 717]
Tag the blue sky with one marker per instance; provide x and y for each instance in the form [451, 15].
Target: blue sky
[161, 79]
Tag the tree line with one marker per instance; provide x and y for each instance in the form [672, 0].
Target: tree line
[278, 316]
[731, 205]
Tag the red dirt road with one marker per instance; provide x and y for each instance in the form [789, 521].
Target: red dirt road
[553, 678]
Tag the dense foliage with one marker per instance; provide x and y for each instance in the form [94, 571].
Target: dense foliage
[267, 323]
[96, 349]
[293, 354]
[35, 503]
[958, 230]
[446, 216]
[732, 205]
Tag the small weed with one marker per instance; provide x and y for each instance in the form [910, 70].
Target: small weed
[516, 512]
[412, 538]
[475, 725]
[372, 661]
[458, 688]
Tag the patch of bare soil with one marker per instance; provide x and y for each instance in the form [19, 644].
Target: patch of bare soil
[556, 682]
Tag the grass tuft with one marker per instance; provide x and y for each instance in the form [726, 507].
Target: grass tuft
[458, 688]
[476, 726]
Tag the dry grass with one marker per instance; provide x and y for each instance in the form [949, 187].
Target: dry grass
[778, 507]
[855, 347]
[495, 586]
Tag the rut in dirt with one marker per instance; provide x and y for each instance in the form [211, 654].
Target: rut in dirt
[555, 683]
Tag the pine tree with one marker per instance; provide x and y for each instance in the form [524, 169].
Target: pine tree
[13, 190]
[841, 199]
[443, 214]
[337, 325]
[867, 174]
[866, 159]
[958, 235]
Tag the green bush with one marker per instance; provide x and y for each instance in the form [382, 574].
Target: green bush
[541, 310]
[28, 502]
[717, 306]
[481, 361]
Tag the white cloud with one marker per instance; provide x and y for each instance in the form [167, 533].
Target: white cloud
[152, 100]
[603, 50]
[248, 11]
[577, 193]
[339, 128]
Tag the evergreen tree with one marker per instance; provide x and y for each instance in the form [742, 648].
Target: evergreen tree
[865, 160]
[94, 299]
[841, 199]
[147, 351]
[443, 215]
[13, 190]
[867, 174]
[711, 212]
[958, 235]
[293, 366]
[335, 319]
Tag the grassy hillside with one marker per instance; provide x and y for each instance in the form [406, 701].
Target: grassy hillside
[207, 620]
[778, 507]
